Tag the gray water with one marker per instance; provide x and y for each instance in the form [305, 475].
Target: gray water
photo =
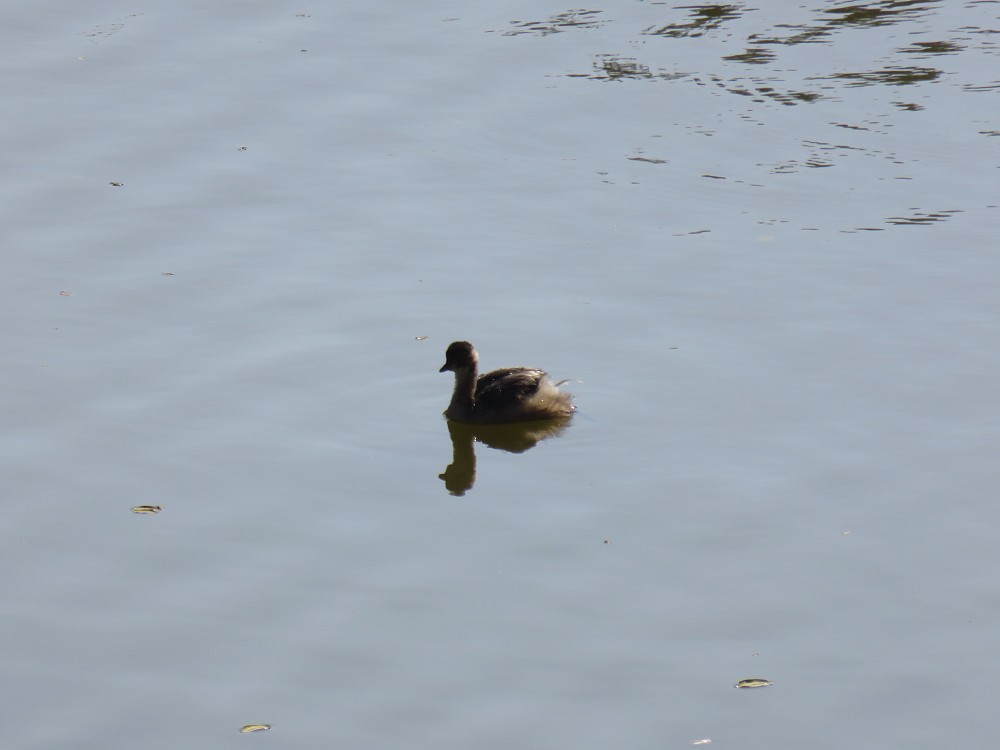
[761, 242]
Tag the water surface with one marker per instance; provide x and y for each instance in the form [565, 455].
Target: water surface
[238, 239]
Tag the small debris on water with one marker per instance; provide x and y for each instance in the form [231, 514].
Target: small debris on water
[255, 728]
[753, 682]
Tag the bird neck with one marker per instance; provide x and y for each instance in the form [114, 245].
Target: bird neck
[464, 397]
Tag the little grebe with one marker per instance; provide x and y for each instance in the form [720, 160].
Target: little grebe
[513, 394]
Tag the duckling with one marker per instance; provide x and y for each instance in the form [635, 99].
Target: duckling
[513, 394]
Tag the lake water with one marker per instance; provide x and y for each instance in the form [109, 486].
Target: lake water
[761, 242]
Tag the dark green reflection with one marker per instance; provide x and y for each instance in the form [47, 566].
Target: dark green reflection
[705, 18]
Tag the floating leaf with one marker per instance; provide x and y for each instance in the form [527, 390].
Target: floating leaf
[147, 509]
[255, 728]
[705, 741]
[752, 682]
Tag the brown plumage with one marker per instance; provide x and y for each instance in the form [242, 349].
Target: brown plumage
[513, 394]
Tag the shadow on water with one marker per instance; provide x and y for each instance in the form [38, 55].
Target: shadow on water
[460, 475]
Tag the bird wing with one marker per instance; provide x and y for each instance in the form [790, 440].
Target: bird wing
[506, 386]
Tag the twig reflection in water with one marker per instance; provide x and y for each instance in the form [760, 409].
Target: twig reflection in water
[460, 476]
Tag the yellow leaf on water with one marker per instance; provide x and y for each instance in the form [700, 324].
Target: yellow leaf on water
[753, 682]
[147, 509]
[255, 728]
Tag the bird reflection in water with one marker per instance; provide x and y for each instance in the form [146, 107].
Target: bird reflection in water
[460, 476]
